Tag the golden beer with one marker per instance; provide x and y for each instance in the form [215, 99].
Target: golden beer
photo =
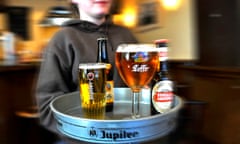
[92, 82]
[135, 67]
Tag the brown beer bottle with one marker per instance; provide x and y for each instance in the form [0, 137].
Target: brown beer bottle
[102, 57]
[162, 90]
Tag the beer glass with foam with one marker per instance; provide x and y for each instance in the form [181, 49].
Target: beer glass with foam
[92, 82]
[136, 64]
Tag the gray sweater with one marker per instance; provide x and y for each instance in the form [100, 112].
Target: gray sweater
[75, 43]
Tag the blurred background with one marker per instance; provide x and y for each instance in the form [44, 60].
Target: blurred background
[203, 57]
[177, 25]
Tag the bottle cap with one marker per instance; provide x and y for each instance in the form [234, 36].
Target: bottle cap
[101, 38]
[161, 41]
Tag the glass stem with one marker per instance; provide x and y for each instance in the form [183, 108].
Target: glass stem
[135, 104]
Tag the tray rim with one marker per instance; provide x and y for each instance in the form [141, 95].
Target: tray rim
[54, 110]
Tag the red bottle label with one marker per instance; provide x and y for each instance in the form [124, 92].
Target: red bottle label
[163, 96]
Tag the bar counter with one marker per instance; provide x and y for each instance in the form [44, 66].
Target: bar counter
[219, 88]
[17, 87]
[214, 71]
[18, 66]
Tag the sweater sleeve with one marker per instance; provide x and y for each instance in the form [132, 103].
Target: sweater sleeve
[54, 80]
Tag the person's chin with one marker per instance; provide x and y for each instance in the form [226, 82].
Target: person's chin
[100, 15]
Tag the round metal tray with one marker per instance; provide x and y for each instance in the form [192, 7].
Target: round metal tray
[116, 128]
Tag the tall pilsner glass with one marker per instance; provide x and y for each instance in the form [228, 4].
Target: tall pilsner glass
[136, 64]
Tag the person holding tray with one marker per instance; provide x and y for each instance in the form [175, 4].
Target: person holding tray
[76, 43]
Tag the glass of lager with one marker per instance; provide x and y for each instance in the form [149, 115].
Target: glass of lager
[92, 82]
[136, 64]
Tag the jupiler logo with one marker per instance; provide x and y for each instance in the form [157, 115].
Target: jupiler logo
[112, 134]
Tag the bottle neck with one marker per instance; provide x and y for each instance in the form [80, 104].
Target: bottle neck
[164, 66]
[102, 51]
[163, 73]
[159, 45]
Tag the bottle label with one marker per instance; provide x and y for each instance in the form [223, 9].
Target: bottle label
[163, 54]
[109, 92]
[162, 96]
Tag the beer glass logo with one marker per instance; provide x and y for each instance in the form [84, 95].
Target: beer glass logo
[90, 76]
[140, 57]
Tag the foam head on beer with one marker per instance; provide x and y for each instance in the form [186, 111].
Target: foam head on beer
[136, 48]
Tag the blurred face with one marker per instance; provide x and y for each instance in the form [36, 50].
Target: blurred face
[94, 8]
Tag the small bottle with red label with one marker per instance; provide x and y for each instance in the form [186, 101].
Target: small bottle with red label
[163, 87]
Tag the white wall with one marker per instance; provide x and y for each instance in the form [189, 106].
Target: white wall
[179, 27]
[2, 19]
